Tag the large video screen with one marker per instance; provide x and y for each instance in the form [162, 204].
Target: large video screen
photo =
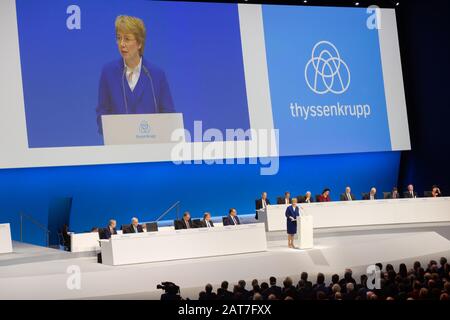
[114, 81]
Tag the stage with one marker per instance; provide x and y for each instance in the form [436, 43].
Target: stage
[33, 272]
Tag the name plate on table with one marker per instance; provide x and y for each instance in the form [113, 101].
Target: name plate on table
[141, 128]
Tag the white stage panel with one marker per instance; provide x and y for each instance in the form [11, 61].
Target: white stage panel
[183, 244]
[364, 213]
[5, 238]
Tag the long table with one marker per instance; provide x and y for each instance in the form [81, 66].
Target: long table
[183, 244]
[5, 238]
[363, 213]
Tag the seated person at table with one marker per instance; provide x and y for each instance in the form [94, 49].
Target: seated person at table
[325, 196]
[372, 195]
[307, 198]
[410, 193]
[348, 195]
[286, 199]
[261, 203]
[107, 232]
[134, 227]
[394, 194]
[207, 222]
[435, 192]
[186, 222]
[232, 218]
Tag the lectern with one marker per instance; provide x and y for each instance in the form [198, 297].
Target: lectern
[305, 231]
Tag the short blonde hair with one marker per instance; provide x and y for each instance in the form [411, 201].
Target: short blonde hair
[133, 25]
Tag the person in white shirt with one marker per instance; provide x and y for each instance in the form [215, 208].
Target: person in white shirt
[207, 222]
[348, 195]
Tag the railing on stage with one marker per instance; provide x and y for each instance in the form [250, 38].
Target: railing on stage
[175, 205]
[35, 223]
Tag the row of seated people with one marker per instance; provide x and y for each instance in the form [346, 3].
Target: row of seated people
[185, 223]
[347, 195]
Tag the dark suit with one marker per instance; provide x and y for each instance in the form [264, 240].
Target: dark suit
[228, 221]
[184, 225]
[275, 290]
[106, 233]
[406, 194]
[391, 196]
[283, 201]
[131, 229]
[303, 199]
[345, 198]
[259, 206]
[366, 196]
[203, 223]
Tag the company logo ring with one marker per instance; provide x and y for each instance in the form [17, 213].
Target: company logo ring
[330, 72]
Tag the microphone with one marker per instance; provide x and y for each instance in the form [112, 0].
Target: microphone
[151, 83]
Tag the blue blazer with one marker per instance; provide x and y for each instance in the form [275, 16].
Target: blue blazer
[290, 212]
[114, 90]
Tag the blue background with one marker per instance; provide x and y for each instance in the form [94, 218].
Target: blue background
[291, 33]
[146, 190]
[198, 45]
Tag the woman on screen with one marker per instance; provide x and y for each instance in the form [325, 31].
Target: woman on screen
[132, 85]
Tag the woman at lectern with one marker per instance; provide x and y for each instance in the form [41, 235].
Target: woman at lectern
[292, 213]
[132, 85]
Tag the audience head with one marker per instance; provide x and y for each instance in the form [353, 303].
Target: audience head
[232, 212]
[242, 284]
[287, 283]
[443, 261]
[224, 285]
[350, 287]
[304, 276]
[186, 216]
[273, 281]
[379, 265]
[264, 286]
[336, 288]
[208, 288]
[257, 296]
[320, 278]
[335, 278]
[272, 297]
[338, 296]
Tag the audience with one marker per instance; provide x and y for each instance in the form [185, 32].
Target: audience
[432, 283]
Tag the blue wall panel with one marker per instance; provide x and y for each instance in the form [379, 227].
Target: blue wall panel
[146, 190]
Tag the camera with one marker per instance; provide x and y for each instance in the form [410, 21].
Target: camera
[172, 291]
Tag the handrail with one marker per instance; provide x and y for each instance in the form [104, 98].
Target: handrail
[36, 223]
[176, 204]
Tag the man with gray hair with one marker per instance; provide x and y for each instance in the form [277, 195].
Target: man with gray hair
[135, 227]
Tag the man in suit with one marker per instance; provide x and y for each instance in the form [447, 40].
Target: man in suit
[348, 195]
[186, 222]
[394, 194]
[410, 193]
[232, 218]
[307, 198]
[273, 289]
[207, 222]
[261, 203]
[109, 230]
[286, 199]
[372, 195]
[223, 293]
[135, 227]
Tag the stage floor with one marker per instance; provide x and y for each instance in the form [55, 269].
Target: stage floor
[33, 272]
